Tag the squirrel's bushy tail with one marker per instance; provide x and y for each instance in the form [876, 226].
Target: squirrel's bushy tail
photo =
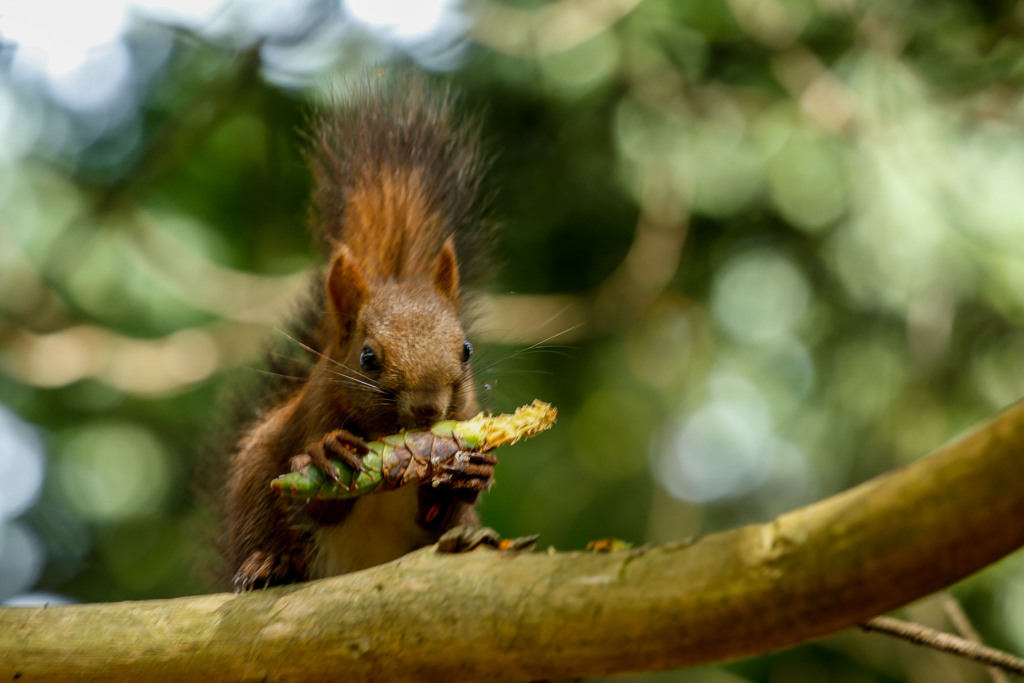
[396, 172]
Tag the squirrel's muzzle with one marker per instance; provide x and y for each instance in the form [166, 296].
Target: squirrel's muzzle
[420, 409]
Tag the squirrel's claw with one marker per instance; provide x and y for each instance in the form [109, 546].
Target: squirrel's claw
[342, 439]
[469, 472]
[316, 455]
[260, 570]
[342, 445]
[347, 447]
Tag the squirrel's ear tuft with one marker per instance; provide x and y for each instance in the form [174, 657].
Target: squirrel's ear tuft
[446, 279]
[346, 288]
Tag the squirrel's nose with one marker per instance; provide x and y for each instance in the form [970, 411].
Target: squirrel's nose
[426, 414]
[422, 409]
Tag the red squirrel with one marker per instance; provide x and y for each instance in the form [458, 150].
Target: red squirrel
[399, 213]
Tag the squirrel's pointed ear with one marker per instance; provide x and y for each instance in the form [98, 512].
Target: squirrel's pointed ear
[346, 288]
[446, 279]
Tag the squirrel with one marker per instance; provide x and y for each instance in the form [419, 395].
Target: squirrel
[398, 211]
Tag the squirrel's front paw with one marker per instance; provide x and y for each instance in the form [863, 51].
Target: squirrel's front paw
[260, 570]
[339, 444]
[468, 474]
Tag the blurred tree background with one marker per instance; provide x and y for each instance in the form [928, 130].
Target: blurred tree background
[779, 242]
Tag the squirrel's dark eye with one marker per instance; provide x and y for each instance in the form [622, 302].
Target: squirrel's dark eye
[467, 351]
[368, 360]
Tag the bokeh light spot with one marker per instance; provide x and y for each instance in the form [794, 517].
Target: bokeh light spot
[408, 19]
[21, 559]
[758, 296]
[807, 183]
[721, 451]
[113, 470]
[21, 465]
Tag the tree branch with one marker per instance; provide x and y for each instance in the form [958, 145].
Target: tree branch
[488, 615]
[945, 642]
[963, 625]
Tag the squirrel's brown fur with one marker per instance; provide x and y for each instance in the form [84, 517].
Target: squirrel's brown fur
[398, 212]
[397, 176]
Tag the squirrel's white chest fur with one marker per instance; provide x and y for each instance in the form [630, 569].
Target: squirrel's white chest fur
[381, 527]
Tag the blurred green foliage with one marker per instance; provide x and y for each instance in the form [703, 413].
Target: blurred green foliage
[779, 242]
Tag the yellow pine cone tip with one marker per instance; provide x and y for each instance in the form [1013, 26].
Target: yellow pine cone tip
[507, 429]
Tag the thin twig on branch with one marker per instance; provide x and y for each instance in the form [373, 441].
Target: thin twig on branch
[488, 615]
[962, 623]
[945, 642]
